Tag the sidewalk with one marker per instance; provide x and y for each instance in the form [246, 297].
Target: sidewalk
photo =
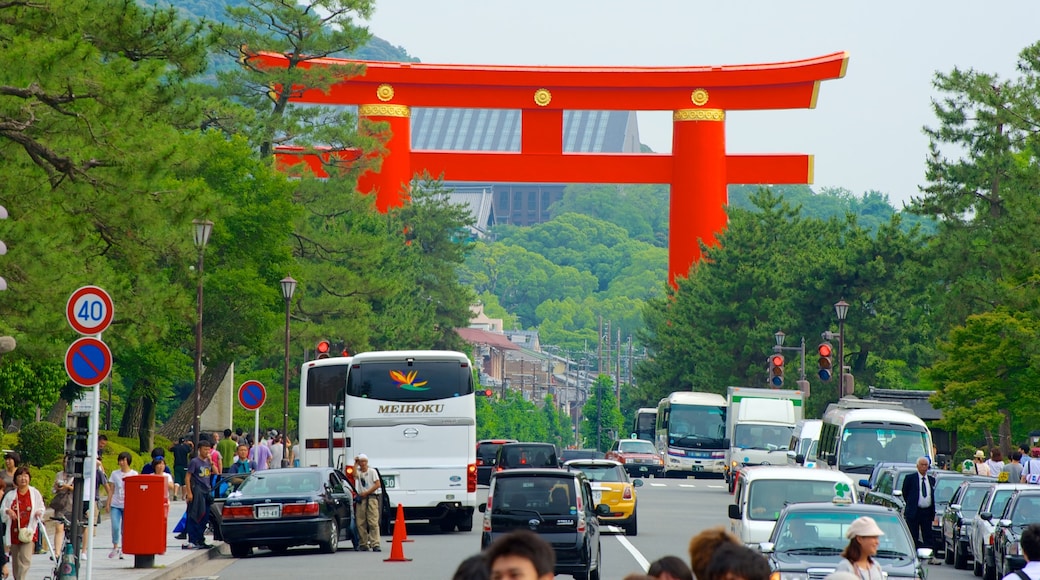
[173, 564]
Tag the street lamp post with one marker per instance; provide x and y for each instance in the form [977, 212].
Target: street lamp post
[202, 230]
[841, 308]
[288, 287]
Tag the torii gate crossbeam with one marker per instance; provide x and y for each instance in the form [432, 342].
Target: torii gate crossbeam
[698, 168]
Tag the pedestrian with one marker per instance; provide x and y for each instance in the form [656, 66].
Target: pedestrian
[858, 557]
[297, 454]
[181, 455]
[226, 447]
[157, 453]
[369, 494]
[102, 443]
[919, 511]
[261, 454]
[277, 452]
[158, 466]
[995, 462]
[243, 464]
[5, 562]
[670, 568]
[978, 464]
[117, 501]
[737, 562]
[1013, 469]
[473, 568]
[1030, 545]
[703, 545]
[11, 461]
[1031, 470]
[214, 455]
[198, 486]
[22, 509]
[521, 555]
[61, 503]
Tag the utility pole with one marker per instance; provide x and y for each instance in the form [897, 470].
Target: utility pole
[617, 371]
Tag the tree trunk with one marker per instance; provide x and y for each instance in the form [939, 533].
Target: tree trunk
[184, 417]
[146, 431]
[1005, 433]
[131, 423]
[58, 412]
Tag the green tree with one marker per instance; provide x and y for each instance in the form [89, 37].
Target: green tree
[602, 420]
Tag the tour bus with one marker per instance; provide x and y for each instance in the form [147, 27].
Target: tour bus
[413, 413]
[644, 425]
[691, 433]
[322, 384]
[857, 434]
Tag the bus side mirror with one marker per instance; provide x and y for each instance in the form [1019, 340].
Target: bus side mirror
[725, 443]
[832, 460]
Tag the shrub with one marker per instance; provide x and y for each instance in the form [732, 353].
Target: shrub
[41, 443]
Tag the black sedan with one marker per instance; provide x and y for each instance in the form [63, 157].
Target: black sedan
[956, 521]
[811, 536]
[1022, 510]
[280, 508]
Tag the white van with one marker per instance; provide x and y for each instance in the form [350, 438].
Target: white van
[762, 491]
[804, 439]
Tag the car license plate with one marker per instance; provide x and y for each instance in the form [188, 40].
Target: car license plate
[643, 468]
[264, 512]
[389, 481]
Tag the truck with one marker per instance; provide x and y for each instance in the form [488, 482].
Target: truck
[759, 426]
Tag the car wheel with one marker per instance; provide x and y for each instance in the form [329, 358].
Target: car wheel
[241, 550]
[948, 553]
[447, 523]
[632, 527]
[594, 574]
[960, 557]
[278, 549]
[976, 567]
[332, 542]
[988, 573]
[465, 523]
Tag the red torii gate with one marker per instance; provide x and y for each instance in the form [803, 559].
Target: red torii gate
[698, 168]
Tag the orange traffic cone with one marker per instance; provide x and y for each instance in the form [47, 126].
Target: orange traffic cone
[397, 548]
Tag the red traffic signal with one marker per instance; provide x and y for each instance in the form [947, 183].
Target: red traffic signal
[488, 393]
[776, 370]
[826, 363]
[323, 349]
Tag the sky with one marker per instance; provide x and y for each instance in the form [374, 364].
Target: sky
[866, 130]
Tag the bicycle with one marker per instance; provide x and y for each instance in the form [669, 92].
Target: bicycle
[66, 561]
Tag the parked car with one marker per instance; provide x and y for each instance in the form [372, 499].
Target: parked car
[569, 454]
[808, 539]
[763, 490]
[1023, 509]
[519, 455]
[611, 486]
[487, 452]
[946, 483]
[281, 508]
[639, 457]
[556, 504]
[983, 524]
[957, 520]
[888, 489]
[872, 481]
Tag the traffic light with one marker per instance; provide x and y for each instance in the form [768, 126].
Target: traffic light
[323, 349]
[826, 361]
[776, 370]
[489, 393]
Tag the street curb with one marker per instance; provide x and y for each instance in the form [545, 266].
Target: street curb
[181, 567]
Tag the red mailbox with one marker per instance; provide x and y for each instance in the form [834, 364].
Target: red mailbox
[144, 517]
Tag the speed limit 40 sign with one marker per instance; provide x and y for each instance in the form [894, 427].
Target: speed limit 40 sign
[89, 310]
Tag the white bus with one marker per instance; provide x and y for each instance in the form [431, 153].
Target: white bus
[322, 386]
[644, 426]
[691, 433]
[413, 413]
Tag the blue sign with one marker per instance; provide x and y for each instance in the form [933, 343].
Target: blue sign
[251, 395]
[88, 361]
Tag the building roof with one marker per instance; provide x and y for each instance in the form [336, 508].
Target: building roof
[916, 401]
[479, 202]
[483, 337]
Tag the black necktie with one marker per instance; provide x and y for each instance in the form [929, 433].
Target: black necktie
[924, 488]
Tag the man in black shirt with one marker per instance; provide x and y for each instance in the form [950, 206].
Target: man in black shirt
[181, 451]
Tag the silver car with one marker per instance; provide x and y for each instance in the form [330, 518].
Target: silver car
[984, 523]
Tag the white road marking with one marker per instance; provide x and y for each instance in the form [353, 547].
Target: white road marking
[658, 485]
[643, 562]
[717, 486]
[686, 485]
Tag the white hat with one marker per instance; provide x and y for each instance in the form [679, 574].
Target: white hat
[980, 454]
[362, 457]
[863, 526]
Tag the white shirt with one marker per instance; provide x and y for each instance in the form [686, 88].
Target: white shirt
[367, 479]
[119, 487]
[277, 453]
[1032, 569]
[924, 500]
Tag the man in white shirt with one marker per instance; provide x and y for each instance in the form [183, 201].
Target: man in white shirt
[277, 452]
[369, 490]
[1030, 544]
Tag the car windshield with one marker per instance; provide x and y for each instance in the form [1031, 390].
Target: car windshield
[766, 497]
[972, 498]
[637, 447]
[488, 451]
[608, 473]
[945, 488]
[280, 481]
[543, 495]
[1026, 510]
[528, 456]
[824, 532]
[1000, 501]
[866, 446]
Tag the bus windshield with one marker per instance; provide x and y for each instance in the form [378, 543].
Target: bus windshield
[645, 424]
[696, 425]
[419, 381]
[868, 446]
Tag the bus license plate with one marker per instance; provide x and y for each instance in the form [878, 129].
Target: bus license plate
[264, 512]
[696, 467]
[389, 481]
